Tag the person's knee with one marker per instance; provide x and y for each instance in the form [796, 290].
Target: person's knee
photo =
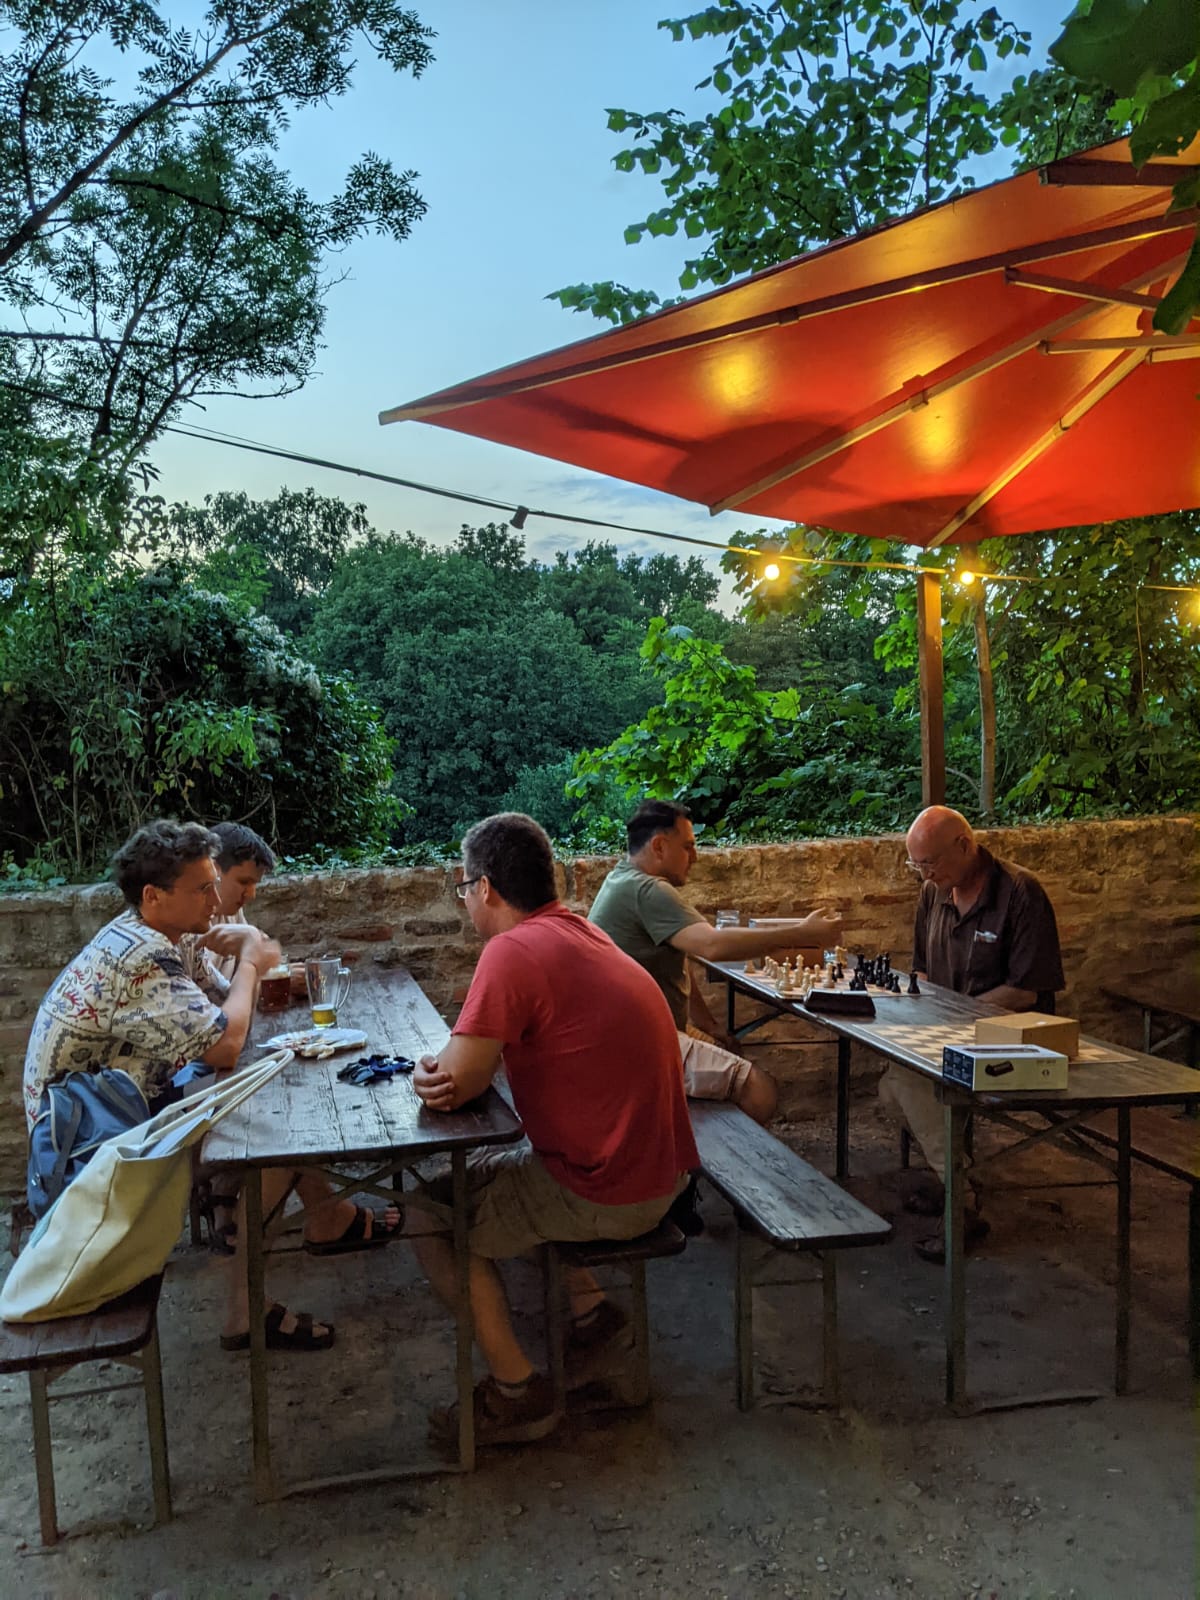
[759, 1095]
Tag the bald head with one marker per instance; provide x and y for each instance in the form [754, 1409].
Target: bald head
[941, 844]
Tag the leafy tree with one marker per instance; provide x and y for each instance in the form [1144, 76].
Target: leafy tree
[835, 115]
[1145, 52]
[131, 693]
[151, 251]
[712, 721]
[484, 686]
[277, 555]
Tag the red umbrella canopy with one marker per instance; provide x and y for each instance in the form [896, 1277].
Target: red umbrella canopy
[984, 367]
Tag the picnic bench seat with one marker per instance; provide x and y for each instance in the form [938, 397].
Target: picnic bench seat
[1171, 1145]
[125, 1330]
[782, 1201]
[628, 1256]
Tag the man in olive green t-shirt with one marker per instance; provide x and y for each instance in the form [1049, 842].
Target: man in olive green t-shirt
[641, 909]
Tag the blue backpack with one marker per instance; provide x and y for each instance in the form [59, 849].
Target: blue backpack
[77, 1115]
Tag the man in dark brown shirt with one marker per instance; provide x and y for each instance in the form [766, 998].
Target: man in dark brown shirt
[984, 927]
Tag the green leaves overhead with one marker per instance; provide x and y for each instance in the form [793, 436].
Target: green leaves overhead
[152, 251]
[1146, 52]
[1119, 42]
[834, 115]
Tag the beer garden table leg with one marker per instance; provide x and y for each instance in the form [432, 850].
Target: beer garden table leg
[1124, 1286]
[954, 1286]
[464, 1332]
[843, 1107]
[260, 1416]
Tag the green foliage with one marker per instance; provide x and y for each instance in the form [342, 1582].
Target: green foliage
[275, 555]
[834, 115]
[151, 250]
[1096, 675]
[1145, 52]
[131, 694]
[493, 670]
[713, 722]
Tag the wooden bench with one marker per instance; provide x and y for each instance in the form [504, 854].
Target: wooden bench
[1170, 1145]
[124, 1330]
[628, 1256]
[778, 1199]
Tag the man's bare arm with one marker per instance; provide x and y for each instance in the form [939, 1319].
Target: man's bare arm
[1006, 995]
[258, 955]
[821, 929]
[462, 1071]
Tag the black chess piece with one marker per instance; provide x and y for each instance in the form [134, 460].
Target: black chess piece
[895, 982]
[913, 986]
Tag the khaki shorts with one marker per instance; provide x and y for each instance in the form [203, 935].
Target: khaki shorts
[710, 1073]
[516, 1205]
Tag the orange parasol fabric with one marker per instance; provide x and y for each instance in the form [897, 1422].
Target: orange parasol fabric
[984, 367]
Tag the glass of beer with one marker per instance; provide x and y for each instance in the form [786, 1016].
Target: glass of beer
[328, 985]
[274, 988]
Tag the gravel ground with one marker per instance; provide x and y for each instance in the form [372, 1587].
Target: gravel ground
[887, 1499]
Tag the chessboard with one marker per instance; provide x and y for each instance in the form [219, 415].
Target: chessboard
[929, 1039]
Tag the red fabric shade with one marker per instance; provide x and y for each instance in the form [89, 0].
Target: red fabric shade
[908, 383]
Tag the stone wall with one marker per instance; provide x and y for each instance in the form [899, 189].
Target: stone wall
[1127, 896]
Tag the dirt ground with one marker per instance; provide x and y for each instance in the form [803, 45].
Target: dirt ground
[889, 1499]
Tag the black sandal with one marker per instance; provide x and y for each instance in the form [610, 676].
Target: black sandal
[355, 1236]
[301, 1337]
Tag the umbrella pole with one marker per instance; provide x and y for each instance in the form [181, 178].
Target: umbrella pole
[929, 649]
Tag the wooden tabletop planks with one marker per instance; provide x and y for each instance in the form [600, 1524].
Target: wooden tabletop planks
[1131, 1078]
[305, 1115]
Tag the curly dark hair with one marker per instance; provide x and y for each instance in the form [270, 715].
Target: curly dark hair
[158, 853]
[239, 843]
[514, 854]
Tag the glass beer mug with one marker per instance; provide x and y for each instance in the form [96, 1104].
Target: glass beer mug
[328, 985]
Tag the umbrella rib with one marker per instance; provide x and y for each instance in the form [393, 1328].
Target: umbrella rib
[1073, 287]
[477, 392]
[1090, 397]
[901, 404]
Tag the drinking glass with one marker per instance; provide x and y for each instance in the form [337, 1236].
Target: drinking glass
[275, 987]
[328, 985]
[728, 918]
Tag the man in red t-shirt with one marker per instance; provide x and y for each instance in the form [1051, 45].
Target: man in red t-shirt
[592, 1060]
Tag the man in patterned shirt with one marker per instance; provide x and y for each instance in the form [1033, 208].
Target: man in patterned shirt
[143, 996]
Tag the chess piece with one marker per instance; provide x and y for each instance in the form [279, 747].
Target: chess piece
[913, 986]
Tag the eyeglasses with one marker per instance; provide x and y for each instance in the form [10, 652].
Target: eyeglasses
[460, 889]
[924, 866]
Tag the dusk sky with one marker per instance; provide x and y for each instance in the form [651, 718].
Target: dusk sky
[507, 131]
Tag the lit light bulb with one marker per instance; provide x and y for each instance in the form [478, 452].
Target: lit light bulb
[771, 571]
[966, 577]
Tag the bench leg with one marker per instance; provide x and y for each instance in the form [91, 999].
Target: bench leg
[43, 1456]
[555, 1332]
[743, 1316]
[1194, 1278]
[156, 1427]
[829, 1341]
[641, 1334]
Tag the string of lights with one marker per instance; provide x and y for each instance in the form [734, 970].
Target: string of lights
[518, 514]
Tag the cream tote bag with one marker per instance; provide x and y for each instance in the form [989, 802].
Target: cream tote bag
[118, 1222]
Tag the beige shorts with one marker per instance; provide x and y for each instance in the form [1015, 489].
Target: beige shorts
[516, 1205]
[710, 1073]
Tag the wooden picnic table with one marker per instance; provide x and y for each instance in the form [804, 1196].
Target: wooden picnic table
[1176, 998]
[912, 1032]
[306, 1118]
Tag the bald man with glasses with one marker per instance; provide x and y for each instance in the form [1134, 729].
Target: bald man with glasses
[986, 928]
